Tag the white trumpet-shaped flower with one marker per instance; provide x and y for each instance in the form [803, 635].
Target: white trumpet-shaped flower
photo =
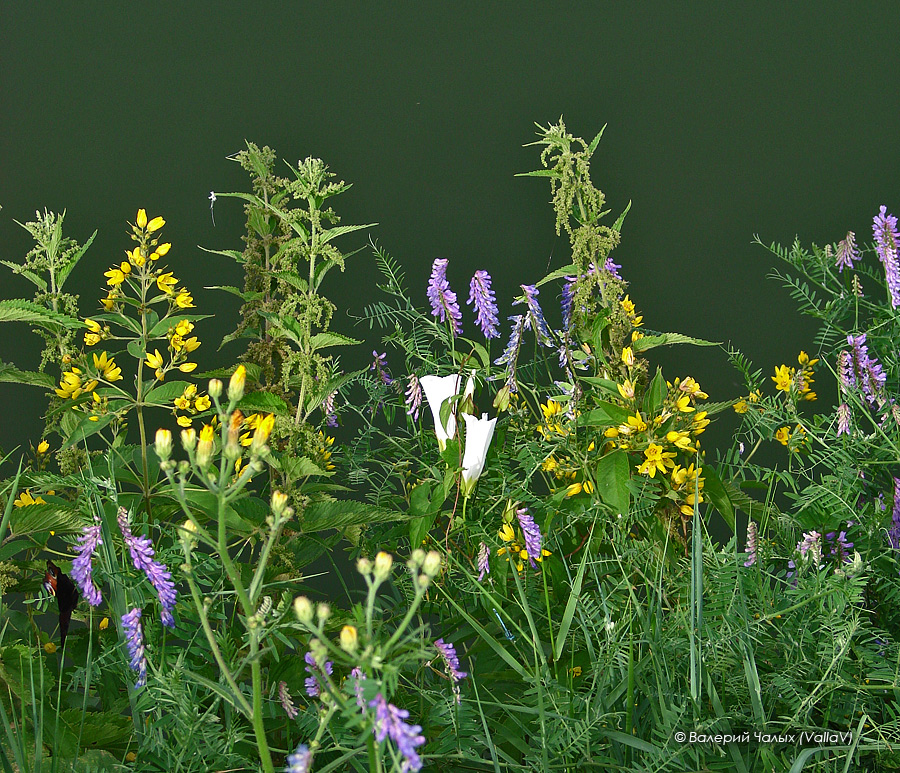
[479, 433]
[438, 389]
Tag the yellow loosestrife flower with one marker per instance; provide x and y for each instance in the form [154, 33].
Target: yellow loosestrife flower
[184, 300]
[107, 368]
[783, 435]
[115, 277]
[141, 219]
[155, 224]
[783, 378]
[628, 356]
[166, 282]
[43, 447]
[163, 250]
[655, 459]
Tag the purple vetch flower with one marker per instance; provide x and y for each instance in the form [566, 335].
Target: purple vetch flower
[481, 294]
[300, 761]
[484, 566]
[843, 412]
[752, 544]
[533, 540]
[613, 268]
[887, 242]
[141, 549]
[328, 410]
[535, 317]
[134, 639]
[858, 368]
[840, 546]
[894, 533]
[287, 704]
[389, 722]
[443, 300]
[380, 366]
[413, 397]
[811, 545]
[313, 682]
[847, 252]
[511, 353]
[568, 293]
[360, 676]
[451, 662]
[81, 564]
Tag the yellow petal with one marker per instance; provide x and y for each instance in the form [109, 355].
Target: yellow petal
[141, 220]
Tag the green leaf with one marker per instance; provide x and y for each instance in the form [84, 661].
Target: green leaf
[602, 383]
[617, 226]
[339, 514]
[264, 402]
[558, 274]
[596, 141]
[18, 310]
[119, 319]
[604, 415]
[302, 467]
[569, 612]
[613, 475]
[321, 340]
[539, 173]
[162, 327]
[86, 427]
[52, 516]
[333, 233]
[10, 374]
[164, 394]
[73, 261]
[136, 349]
[233, 254]
[656, 394]
[667, 339]
[235, 291]
[12, 547]
[35, 279]
[290, 278]
[479, 350]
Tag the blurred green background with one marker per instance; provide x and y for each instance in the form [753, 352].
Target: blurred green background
[724, 121]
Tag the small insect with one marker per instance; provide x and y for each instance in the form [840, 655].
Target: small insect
[212, 201]
[506, 631]
[59, 585]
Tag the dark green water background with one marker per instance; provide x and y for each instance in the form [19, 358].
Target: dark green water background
[724, 120]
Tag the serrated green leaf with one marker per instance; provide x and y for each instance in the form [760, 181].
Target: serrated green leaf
[302, 467]
[35, 279]
[339, 514]
[52, 516]
[321, 340]
[233, 254]
[86, 427]
[264, 402]
[162, 327]
[292, 279]
[18, 310]
[73, 261]
[234, 291]
[613, 475]
[667, 339]
[10, 374]
[558, 274]
[602, 383]
[539, 173]
[165, 393]
[617, 226]
[604, 415]
[340, 230]
[596, 141]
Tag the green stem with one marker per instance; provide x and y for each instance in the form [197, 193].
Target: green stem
[259, 729]
[139, 404]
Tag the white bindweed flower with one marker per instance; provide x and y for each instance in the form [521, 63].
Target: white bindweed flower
[478, 439]
[438, 389]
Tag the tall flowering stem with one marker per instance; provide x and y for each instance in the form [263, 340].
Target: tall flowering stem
[141, 549]
[131, 622]
[535, 317]
[510, 355]
[451, 663]
[533, 539]
[481, 294]
[389, 724]
[81, 565]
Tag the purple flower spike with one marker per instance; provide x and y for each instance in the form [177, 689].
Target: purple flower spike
[134, 639]
[511, 353]
[532, 534]
[413, 397]
[613, 268]
[360, 676]
[328, 410]
[752, 544]
[843, 419]
[300, 760]
[81, 565]
[481, 294]
[287, 703]
[141, 549]
[451, 662]
[443, 300]
[887, 241]
[389, 722]
[840, 546]
[568, 293]
[894, 533]
[847, 252]
[380, 366]
[857, 367]
[313, 682]
[484, 566]
[535, 317]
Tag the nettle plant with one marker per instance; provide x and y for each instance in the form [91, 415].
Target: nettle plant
[532, 584]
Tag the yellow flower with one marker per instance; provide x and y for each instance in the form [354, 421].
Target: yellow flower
[187, 367]
[115, 277]
[71, 386]
[692, 388]
[681, 440]
[184, 327]
[25, 499]
[655, 459]
[91, 339]
[184, 300]
[783, 378]
[506, 533]
[628, 305]
[50, 648]
[125, 267]
[141, 220]
[803, 359]
[636, 335]
[184, 421]
[700, 422]
[104, 624]
[551, 409]
[741, 406]
[92, 325]
[155, 360]
[107, 368]
[155, 224]
[549, 464]
[43, 447]
[166, 282]
[783, 435]
[136, 257]
[611, 432]
[626, 389]
[628, 356]
[163, 249]
[575, 671]
[755, 396]
[182, 403]
[634, 424]
[574, 489]
[202, 403]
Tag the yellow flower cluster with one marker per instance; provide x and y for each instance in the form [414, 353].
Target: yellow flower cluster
[25, 499]
[179, 348]
[797, 380]
[792, 440]
[636, 321]
[190, 403]
[683, 481]
[514, 546]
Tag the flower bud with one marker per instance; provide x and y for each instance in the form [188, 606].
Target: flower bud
[303, 609]
[236, 384]
[141, 220]
[188, 439]
[364, 566]
[205, 446]
[188, 534]
[432, 563]
[214, 388]
[383, 563]
[261, 434]
[323, 612]
[501, 401]
[279, 502]
[349, 639]
[163, 444]
[417, 557]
